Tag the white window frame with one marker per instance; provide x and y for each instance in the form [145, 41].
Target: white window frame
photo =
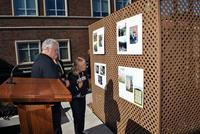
[92, 15]
[69, 48]
[36, 7]
[115, 5]
[25, 41]
[66, 9]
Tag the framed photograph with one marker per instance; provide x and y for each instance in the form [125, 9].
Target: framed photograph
[100, 74]
[131, 84]
[98, 41]
[129, 36]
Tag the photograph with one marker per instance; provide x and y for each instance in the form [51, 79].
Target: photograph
[129, 35]
[94, 37]
[133, 34]
[100, 80]
[100, 75]
[100, 40]
[102, 70]
[121, 75]
[133, 88]
[138, 97]
[122, 41]
[97, 69]
[129, 83]
[95, 47]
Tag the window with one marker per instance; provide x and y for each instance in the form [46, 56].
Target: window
[64, 50]
[167, 7]
[25, 7]
[55, 7]
[100, 7]
[183, 6]
[121, 3]
[27, 51]
[196, 8]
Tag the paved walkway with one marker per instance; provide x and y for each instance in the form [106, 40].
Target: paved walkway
[92, 123]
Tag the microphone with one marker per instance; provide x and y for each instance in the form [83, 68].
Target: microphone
[11, 75]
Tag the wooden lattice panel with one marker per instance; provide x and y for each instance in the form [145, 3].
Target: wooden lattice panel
[171, 63]
[120, 115]
[180, 41]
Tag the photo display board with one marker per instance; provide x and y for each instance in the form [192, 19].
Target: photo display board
[100, 74]
[129, 35]
[98, 41]
[131, 84]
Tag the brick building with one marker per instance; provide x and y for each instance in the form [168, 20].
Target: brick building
[25, 24]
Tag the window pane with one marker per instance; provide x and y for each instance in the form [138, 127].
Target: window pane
[60, 4]
[50, 4]
[104, 5]
[31, 12]
[33, 54]
[196, 8]
[19, 7]
[22, 45]
[50, 7]
[23, 56]
[33, 45]
[121, 4]
[96, 8]
[63, 44]
[96, 5]
[105, 14]
[20, 12]
[64, 53]
[61, 13]
[30, 4]
[19, 4]
[48, 13]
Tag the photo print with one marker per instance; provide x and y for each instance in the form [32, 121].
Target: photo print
[102, 70]
[98, 41]
[131, 84]
[100, 74]
[121, 37]
[121, 75]
[129, 35]
[133, 34]
[100, 80]
[97, 69]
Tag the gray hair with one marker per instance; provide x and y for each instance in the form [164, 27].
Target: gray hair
[49, 43]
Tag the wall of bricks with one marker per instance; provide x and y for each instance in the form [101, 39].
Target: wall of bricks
[78, 40]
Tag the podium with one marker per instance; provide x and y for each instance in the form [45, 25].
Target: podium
[34, 98]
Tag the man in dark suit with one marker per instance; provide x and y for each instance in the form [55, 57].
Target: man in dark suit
[45, 67]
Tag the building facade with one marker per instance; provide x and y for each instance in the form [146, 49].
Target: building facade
[25, 24]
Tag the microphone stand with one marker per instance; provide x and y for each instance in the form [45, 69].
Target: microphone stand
[11, 75]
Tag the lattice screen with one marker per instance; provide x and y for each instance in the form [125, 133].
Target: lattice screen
[171, 51]
[180, 40]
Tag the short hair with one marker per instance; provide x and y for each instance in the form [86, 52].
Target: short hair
[49, 43]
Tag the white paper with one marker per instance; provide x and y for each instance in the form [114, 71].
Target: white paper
[98, 41]
[100, 74]
[129, 35]
[131, 84]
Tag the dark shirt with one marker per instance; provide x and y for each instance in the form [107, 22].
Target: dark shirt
[73, 80]
[44, 67]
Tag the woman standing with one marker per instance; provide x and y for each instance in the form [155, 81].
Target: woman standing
[78, 87]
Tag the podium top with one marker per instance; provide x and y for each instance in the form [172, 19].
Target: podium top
[34, 90]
